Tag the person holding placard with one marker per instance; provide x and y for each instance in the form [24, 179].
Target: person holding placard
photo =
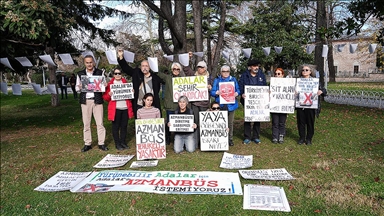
[148, 111]
[118, 112]
[143, 80]
[226, 87]
[278, 119]
[254, 76]
[91, 104]
[306, 116]
[198, 106]
[169, 105]
[184, 138]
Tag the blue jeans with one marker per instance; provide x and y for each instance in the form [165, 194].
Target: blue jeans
[186, 139]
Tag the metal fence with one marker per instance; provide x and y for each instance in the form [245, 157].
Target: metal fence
[371, 99]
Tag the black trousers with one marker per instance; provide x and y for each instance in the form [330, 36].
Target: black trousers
[278, 124]
[64, 89]
[74, 91]
[119, 127]
[255, 130]
[306, 123]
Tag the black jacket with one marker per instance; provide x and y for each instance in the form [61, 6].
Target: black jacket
[137, 79]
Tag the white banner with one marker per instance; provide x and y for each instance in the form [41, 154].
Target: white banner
[306, 89]
[256, 104]
[150, 139]
[62, 181]
[194, 87]
[112, 161]
[214, 131]
[162, 182]
[234, 161]
[122, 91]
[282, 97]
[263, 197]
[181, 123]
[266, 174]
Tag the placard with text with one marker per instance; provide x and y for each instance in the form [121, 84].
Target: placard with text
[92, 83]
[227, 92]
[195, 88]
[150, 139]
[256, 104]
[306, 89]
[282, 95]
[214, 131]
[123, 91]
[181, 123]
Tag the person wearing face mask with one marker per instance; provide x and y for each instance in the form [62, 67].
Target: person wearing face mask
[254, 76]
[169, 105]
[278, 119]
[118, 112]
[144, 81]
[306, 116]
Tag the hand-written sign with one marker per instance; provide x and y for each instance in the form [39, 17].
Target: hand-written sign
[162, 182]
[122, 91]
[111, 161]
[282, 95]
[181, 123]
[233, 161]
[266, 174]
[306, 89]
[62, 181]
[138, 164]
[92, 83]
[256, 104]
[213, 131]
[150, 139]
[264, 197]
[227, 92]
[194, 87]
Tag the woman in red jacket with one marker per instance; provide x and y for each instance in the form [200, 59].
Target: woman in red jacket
[118, 112]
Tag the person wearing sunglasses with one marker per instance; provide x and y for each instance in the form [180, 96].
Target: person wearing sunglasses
[118, 112]
[253, 76]
[306, 116]
[278, 119]
[169, 105]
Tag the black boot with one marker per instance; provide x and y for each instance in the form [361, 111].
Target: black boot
[119, 147]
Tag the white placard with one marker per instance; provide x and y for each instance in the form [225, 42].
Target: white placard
[47, 59]
[306, 89]
[4, 88]
[247, 52]
[256, 104]
[123, 91]
[181, 123]
[195, 88]
[51, 88]
[66, 58]
[5, 62]
[263, 197]
[62, 181]
[129, 56]
[16, 89]
[169, 57]
[214, 131]
[153, 64]
[282, 95]
[92, 83]
[24, 61]
[184, 59]
[227, 92]
[150, 139]
[234, 161]
[37, 88]
[267, 174]
[138, 164]
[112, 161]
[111, 57]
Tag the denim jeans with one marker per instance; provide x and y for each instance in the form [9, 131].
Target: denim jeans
[186, 139]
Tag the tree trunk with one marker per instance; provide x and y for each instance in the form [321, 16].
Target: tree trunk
[220, 39]
[197, 7]
[331, 64]
[52, 78]
[321, 23]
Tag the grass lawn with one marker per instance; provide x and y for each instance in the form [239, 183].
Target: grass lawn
[342, 173]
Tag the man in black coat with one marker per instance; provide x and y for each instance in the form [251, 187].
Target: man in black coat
[143, 80]
[63, 81]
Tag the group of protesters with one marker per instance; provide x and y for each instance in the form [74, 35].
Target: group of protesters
[146, 103]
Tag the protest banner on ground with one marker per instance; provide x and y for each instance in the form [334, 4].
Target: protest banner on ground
[138, 164]
[214, 131]
[306, 89]
[282, 95]
[227, 92]
[194, 87]
[92, 83]
[62, 181]
[163, 182]
[122, 91]
[111, 161]
[234, 161]
[263, 197]
[150, 139]
[266, 174]
[256, 104]
[181, 123]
